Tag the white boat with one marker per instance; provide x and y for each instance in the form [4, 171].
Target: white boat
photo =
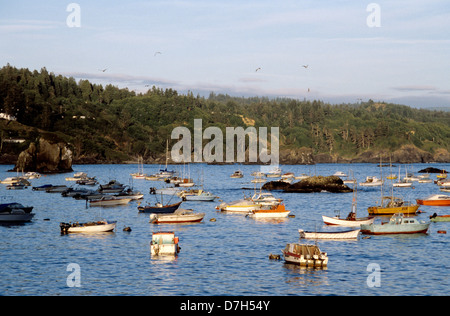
[339, 174]
[258, 180]
[89, 227]
[265, 198]
[349, 221]
[258, 174]
[15, 212]
[109, 201]
[349, 234]
[402, 184]
[164, 243]
[11, 180]
[179, 216]
[305, 255]
[274, 173]
[242, 206]
[272, 211]
[77, 176]
[301, 177]
[371, 182]
[166, 191]
[140, 173]
[237, 174]
[32, 175]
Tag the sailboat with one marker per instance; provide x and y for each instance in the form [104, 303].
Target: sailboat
[140, 174]
[401, 183]
[164, 173]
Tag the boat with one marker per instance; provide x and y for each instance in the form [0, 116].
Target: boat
[15, 212]
[16, 186]
[269, 211]
[305, 255]
[348, 234]
[398, 224]
[164, 243]
[77, 176]
[442, 175]
[185, 182]
[258, 180]
[56, 189]
[159, 208]
[242, 206]
[351, 220]
[32, 175]
[87, 181]
[288, 175]
[265, 198]
[402, 184]
[435, 200]
[258, 174]
[274, 173]
[89, 227]
[129, 194]
[140, 173]
[439, 218]
[11, 180]
[164, 173]
[196, 195]
[109, 201]
[179, 216]
[237, 174]
[112, 186]
[165, 191]
[392, 205]
[371, 182]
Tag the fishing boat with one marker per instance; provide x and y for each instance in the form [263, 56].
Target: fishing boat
[179, 216]
[439, 218]
[435, 200]
[15, 212]
[269, 211]
[109, 201]
[164, 243]
[237, 174]
[398, 224]
[371, 182]
[159, 208]
[89, 227]
[197, 195]
[348, 234]
[305, 255]
[392, 205]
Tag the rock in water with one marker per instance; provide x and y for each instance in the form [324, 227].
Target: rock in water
[48, 156]
[319, 183]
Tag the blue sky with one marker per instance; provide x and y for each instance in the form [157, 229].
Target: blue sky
[210, 45]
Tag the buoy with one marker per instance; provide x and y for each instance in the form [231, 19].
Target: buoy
[442, 232]
[127, 229]
[212, 219]
[291, 215]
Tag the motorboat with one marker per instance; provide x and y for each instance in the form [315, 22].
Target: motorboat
[164, 243]
[435, 200]
[265, 198]
[159, 208]
[237, 174]
[348, 234]
[77, 176]
[109, 201]
[270, 211]
[89, 227]
[305, 255]
[15, 212]
[17, 186]
[112, 186]
[179, 216]
[242, 206]
[197, 195]
[392, 205]
[398, 224]
[274, 173]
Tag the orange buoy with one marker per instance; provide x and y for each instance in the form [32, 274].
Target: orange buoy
[442, 232]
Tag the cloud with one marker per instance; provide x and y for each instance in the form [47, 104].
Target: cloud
[413, 88]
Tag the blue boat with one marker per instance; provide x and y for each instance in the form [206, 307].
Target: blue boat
[159, 208]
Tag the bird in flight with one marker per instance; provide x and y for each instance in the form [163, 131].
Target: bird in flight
[259, 68]
[305, 66]
[156, 53]
[103, 70]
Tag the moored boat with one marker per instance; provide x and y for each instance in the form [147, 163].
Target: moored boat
[435, 200]
[439, 218]
[371, 182]
[274, 173]
[109, 201]
[270, 211]
[237, 174]
[242, 206]
[164, 243]
[15, 212]
[159, 208]
[393, 205]
[349, 221]
[348, 234]
[89, 227]
[179, 216]
[305, 255]
[398, 224]
[197, 195]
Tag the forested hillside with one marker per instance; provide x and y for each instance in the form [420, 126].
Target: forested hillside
[112, 124]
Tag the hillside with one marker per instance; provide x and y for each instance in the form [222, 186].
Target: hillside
[108, 124]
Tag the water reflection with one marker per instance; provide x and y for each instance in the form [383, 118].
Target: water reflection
[302, 276]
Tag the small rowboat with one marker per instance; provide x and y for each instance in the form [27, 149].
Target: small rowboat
[90, 227]
[179, 216]
[109, 201]
[350, 221]
[439, 218]
[348, 234]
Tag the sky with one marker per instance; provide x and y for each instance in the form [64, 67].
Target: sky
[392, 51]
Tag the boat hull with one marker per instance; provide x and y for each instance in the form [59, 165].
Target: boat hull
[16, 217]
[380, 231]
[377, 210]
[336, 221]
[97, 227]
[109, 202]
[159, 210]
[350, 234]
[434, 202]
[176, 218]
[440, 218]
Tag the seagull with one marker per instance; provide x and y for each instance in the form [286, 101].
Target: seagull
[156, 53]
[103, 70]
[305, 66]
[259, 68]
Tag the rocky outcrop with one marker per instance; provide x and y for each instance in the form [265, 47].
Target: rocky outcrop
[310, 185]
[47, 156]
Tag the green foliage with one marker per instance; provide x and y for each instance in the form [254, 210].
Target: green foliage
[115, 124]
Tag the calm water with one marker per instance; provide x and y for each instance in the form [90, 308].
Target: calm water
[225, 257]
